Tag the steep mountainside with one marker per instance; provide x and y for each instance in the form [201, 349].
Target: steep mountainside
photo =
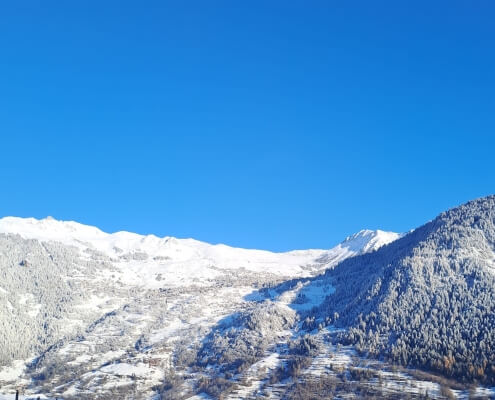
[427, 299]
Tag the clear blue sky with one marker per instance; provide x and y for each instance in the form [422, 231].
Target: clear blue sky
[267, 124]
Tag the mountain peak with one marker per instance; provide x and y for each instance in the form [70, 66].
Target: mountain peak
[368, 240]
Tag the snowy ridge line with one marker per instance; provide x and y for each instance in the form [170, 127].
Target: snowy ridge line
[131, 248]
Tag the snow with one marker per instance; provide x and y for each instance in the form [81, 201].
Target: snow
[81, 359]
[194, 272]
[34, 311]
[95, 302]
[125, 369]
[367, 240]
[361, 242]
[12, 373]
[110, 355]
[167, 331]
[200, 396]
[312, 295]
[119, 244]
[157, 262]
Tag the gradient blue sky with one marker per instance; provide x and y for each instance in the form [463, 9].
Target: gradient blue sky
[267, 124]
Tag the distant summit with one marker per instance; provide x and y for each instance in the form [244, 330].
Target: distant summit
[367, 240]
[361, 242]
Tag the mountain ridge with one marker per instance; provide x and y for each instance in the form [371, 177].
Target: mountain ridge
[126, 247]
[164, 318]
[49, 228]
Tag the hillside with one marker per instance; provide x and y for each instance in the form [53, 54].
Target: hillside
[84, 312]
[424, 302]
[87, 314]
[427, 299]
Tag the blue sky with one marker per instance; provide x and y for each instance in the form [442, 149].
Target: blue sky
[274, 125]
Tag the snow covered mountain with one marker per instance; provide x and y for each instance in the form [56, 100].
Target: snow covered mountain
[143, 258]
[105, 309]
[413, 319]
[86, 314]
[429, 298]
[364, 241]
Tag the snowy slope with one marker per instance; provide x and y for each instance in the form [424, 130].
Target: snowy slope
[133, 303]
[144, 257]
[364, 241]
[367, 240]
[122, 315]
